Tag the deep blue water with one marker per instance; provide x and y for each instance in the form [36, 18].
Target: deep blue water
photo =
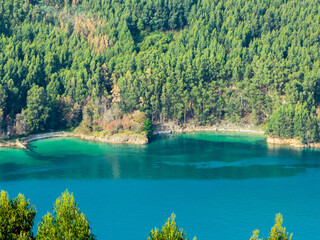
[220, 186]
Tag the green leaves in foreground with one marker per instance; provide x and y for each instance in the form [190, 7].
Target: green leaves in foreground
[277, 231]
[169, 231]
[66, 222]
[16, 217]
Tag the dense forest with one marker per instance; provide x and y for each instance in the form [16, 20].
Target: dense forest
[67, 222]
[64, 62]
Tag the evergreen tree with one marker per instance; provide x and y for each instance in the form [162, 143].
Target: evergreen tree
[148, 127]
[16, 217]
[169, 231]
[277, 231]
[37, 111]
[66, 222]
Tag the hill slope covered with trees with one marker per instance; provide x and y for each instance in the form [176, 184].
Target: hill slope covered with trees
[64, 62]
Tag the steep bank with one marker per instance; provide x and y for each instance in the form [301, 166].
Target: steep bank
[292, 142]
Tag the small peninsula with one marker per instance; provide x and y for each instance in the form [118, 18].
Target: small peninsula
[130, 129]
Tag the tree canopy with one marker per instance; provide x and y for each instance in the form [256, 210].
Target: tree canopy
[66, 222]
[16, 217]
[277, 232]
[169, 231]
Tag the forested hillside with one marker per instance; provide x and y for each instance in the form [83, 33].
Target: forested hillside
[63, 62]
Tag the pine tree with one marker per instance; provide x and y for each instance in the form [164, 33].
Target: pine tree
[66, 222]
[169, 231]
[37, 111]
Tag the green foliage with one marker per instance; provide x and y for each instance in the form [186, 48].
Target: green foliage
[148, 127]
[169, 231]
[282, 122]
[289, 121]
[85, 127]
[37, 112]
[255, 235]
[16, 217]
[277, 231]
[66, 222]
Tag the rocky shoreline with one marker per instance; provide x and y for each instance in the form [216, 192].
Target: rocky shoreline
[128, 138]
[168, 128]
[160, 128]
[292, 142]
[133, 138]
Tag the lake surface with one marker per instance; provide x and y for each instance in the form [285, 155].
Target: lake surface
[220, 186]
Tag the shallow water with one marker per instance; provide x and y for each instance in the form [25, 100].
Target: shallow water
[220, 186]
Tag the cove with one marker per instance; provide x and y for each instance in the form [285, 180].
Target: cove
[220, 185]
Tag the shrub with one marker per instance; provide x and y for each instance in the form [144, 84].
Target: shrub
[16, 217]
[169, 231]
[277, 231]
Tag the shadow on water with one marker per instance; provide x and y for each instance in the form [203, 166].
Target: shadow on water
[167, 157]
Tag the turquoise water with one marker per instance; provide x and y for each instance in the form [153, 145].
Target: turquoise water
[220, 186]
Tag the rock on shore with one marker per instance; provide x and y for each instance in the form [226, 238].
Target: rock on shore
[291, 142]
[167, 128]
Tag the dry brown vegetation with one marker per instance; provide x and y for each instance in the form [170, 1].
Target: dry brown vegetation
[91, 29]
[88, 27]
[98, 116]
[132, 122]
